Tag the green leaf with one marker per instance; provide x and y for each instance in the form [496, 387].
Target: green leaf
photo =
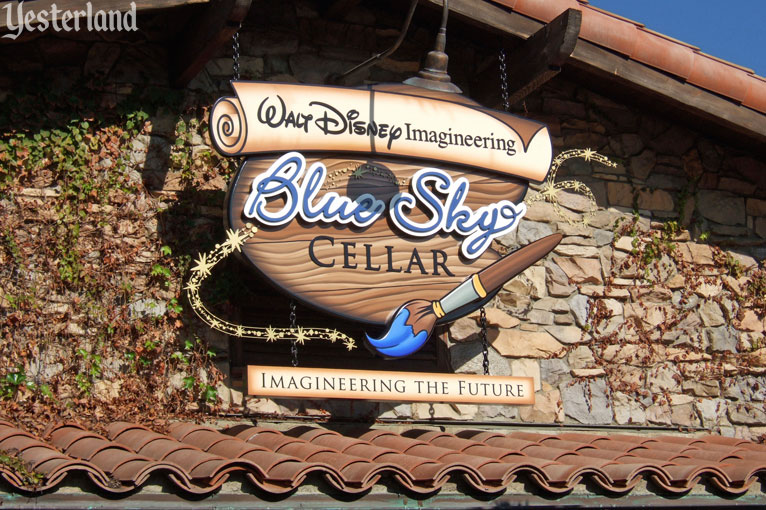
[210, 394]
[46, 390]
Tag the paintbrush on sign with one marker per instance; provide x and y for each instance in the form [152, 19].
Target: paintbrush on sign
[413, 321]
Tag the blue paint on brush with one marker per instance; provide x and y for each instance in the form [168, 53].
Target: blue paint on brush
[400, 339]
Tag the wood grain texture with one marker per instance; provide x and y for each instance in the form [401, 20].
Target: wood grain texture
[541, 56]
[534, 62]
[361, 293]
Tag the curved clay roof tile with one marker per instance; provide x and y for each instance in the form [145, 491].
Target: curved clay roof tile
[542, 9]
[755, 96]
[605, 30]
[718, 77]
[659, 53]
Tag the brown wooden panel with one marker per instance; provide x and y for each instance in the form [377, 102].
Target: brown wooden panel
[352, 288]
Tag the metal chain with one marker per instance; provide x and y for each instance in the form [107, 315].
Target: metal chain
[235, 50]
[484, 342]
[504, 81]
[293, 329]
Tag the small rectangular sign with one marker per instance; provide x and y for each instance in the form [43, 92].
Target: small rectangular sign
[322, 383]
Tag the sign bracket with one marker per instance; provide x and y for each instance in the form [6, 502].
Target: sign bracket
[535, 61]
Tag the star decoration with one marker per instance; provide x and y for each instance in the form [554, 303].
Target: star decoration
[333, 336]
[240, 331]
[587, 154]
[271, 334]
[300, 336]
[359, 172]
[349, 343]
[203, 266]
[192, 286]
[548, 191]
[234, 240]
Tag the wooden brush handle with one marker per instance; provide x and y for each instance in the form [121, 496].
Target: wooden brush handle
[496, 274]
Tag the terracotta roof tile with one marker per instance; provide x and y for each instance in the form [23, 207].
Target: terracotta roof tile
[199, 459]
[636, 42]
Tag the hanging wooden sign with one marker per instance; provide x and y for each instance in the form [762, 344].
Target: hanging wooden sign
[380, 204]
[323, 383]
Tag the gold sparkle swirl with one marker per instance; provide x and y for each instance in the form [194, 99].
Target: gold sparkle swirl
[549, 192]
[205, 263]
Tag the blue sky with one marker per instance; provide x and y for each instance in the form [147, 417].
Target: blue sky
[732, 30]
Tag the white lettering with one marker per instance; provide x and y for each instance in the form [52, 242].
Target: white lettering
[281, 181]
[9, 21]
[42, 20]
[433, 189]
[59, 19]
[478, 227]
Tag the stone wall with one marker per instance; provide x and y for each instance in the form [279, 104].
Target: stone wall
[650, 312]
[610, 335]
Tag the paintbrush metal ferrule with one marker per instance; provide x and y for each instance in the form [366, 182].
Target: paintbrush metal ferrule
[470, 290]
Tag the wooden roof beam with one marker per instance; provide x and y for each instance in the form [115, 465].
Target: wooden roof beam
[205, 34]
[536, 61]
[541, 56]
